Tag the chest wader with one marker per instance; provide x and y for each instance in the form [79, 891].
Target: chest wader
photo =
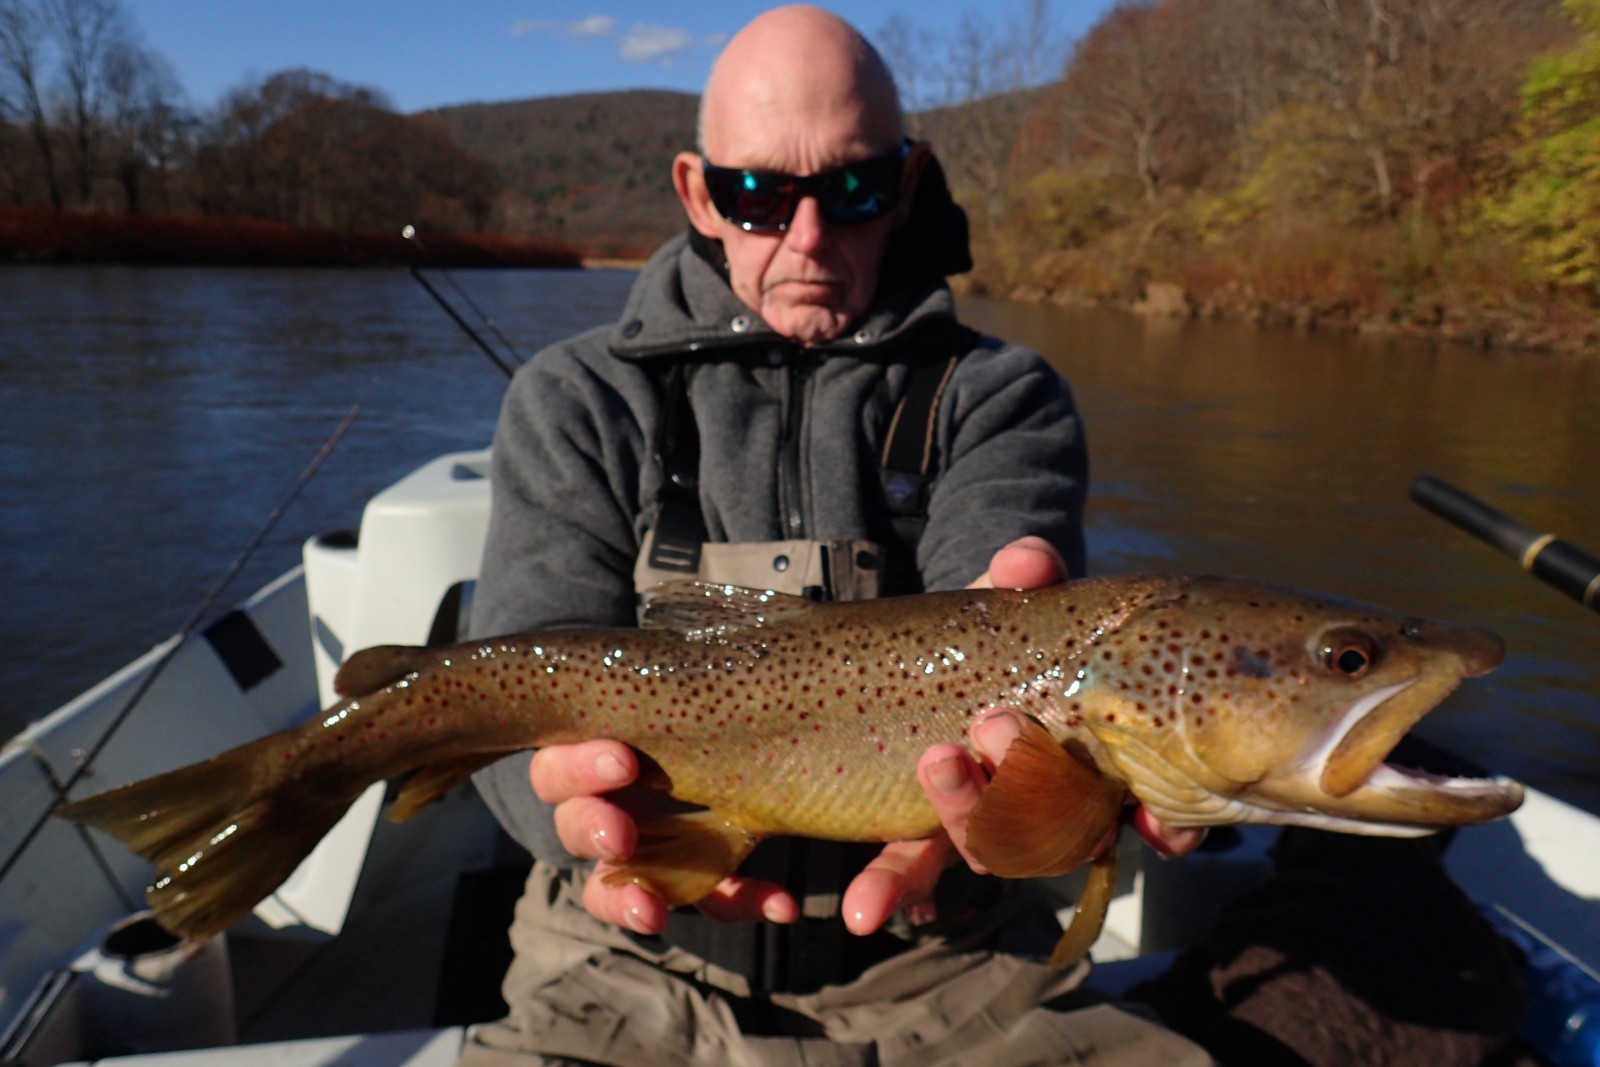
[804, 956]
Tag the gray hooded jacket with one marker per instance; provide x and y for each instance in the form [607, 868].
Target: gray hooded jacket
[789, 444]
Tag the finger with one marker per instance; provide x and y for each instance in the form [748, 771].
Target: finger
[903, 874]
[631, 906]
[1167, 840]
[738, 899]
[952, 781]
[561, 772]
[1026, 563]
[994, 733]
[593, 828]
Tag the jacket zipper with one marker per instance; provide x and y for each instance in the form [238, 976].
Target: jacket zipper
[790, 499]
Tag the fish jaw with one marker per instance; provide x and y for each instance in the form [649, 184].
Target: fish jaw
[1359, 740]
[1341, 781]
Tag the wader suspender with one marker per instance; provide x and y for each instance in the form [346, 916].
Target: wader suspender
[680, 527]
[905, 468]
[817, 950]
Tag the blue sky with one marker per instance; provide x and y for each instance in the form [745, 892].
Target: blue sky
[427, 53]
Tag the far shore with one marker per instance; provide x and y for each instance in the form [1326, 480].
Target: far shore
[40, 235]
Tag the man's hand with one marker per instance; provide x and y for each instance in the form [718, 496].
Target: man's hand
[590, 783]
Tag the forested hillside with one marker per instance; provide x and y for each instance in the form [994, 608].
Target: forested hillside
[590, 170]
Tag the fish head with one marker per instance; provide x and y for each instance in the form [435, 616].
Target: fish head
[1252, 703]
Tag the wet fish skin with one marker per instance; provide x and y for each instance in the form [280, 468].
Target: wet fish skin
[1210, 700]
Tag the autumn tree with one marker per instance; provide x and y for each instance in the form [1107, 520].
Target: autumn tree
[90, 97]
[149, 129]
[85, 32]
[1554, 206]
[1129, 80]
[1405, 83]
[23, 52]
[303, 148]
[969, 90]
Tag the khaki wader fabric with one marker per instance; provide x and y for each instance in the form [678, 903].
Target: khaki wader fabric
[582, 992]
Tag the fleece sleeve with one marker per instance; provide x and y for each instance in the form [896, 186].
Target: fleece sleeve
[1015, 463]
[561, 540]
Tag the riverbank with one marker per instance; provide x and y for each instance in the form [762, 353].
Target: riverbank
[40, 235]
[1554, 329]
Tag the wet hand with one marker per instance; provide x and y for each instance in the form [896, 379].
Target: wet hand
[592, 787]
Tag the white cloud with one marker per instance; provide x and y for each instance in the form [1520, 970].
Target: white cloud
[589, 26]
[644, 43]
[593, 26]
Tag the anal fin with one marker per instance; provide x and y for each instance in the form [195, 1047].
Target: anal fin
[1045, 812]
[681, 858]
[430, 782]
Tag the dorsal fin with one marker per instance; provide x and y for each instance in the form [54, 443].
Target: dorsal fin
[373, 668]
[704, 611]
[1046, 810]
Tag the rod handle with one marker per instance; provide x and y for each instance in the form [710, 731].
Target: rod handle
[1553, 561]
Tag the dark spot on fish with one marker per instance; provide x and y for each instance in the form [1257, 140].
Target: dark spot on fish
[1252, 663]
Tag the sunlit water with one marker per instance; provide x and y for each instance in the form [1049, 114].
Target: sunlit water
[150, 418]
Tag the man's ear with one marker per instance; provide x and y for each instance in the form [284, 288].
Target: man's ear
[689, 181]
[916, 159]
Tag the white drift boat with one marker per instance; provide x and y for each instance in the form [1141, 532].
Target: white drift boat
[390, 938]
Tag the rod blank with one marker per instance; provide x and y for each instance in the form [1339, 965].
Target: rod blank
[1553, 561]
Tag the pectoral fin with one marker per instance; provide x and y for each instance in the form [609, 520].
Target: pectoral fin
[681, 858]
[1045, 811]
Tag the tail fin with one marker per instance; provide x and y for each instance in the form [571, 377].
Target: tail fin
[217, 846]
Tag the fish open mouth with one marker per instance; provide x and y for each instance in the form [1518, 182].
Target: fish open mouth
[1359, 784]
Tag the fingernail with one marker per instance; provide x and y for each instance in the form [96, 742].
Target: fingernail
[776, 911]
[995, 733]
[635, 920]
[604, 846]
[948, 775]
[610, 769]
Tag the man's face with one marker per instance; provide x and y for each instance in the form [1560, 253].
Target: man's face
[812, 281]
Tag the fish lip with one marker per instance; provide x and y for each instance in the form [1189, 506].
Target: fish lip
[1320, 760]
[1376, 793]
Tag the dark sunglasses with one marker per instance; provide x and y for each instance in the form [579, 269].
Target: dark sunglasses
[764, 201]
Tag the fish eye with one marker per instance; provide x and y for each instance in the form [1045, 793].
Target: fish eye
[1348, 652]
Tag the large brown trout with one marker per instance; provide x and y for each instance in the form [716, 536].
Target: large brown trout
[1208, 700]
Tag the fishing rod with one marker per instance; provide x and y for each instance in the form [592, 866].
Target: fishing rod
[1543, 555]
[186, 631]
[409, 232]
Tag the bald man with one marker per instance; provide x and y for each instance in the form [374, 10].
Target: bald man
[789, 402]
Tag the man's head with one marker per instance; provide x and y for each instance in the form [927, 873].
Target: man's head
[798, 91]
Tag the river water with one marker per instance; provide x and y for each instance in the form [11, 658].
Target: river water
[151, 417]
